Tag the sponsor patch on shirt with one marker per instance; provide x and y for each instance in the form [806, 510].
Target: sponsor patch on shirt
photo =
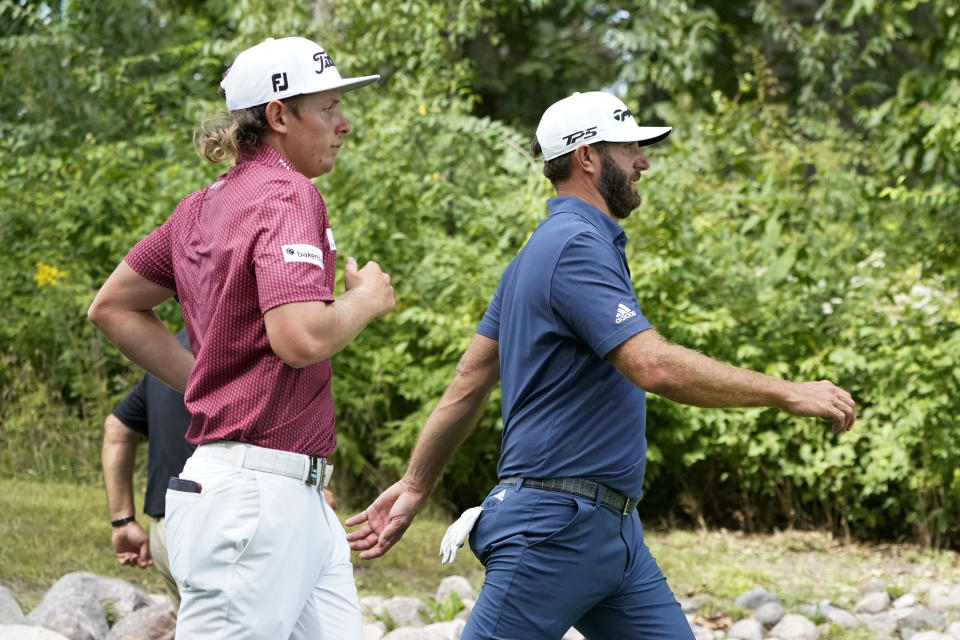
[333, 245]
[302, 253]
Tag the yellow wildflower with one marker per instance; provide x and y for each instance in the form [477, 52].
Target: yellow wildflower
[47, 275]
[423, 109]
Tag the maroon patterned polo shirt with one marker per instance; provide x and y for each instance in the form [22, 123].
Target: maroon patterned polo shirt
[256, 238]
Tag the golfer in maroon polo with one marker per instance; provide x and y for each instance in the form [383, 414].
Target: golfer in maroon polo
[251, 259]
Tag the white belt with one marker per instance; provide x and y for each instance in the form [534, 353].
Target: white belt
[308, 469]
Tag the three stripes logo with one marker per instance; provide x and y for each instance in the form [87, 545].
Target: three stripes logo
[624, 313]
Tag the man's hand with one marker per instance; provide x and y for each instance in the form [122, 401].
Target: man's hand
[387, 518]
[373, 281]
[131, 544]
[824, 400]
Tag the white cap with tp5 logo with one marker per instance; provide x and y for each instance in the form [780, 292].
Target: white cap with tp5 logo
[585, 118]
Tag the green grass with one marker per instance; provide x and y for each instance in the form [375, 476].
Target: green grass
[48, 530]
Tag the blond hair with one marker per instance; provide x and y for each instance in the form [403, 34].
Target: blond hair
[226, 136]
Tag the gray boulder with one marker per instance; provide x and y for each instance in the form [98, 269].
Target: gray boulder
[27, 632]
[873, 602]
[156, 622]
[456, 584]
[437, 631]
[746, 630]
[905, 601]
[755, 598]
[942, 597]
[794, 627]
[10, 611]
[923, 620]
[930, 635]
[374, 631]
[404, 611]
[769, 614]
[883, 623]
[842, 617]
[694, 604]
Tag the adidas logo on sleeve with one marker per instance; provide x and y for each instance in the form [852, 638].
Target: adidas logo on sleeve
[624, 313]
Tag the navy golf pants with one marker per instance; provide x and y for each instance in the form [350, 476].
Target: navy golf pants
[556, 561]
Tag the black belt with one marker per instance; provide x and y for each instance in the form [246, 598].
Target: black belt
[580, 487]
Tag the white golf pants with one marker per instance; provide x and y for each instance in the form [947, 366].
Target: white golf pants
[259, 556]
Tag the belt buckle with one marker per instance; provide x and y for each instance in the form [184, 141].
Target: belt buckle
[316, 471]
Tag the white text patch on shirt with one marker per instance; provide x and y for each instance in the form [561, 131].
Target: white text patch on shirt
[302, 253]
[333, 245]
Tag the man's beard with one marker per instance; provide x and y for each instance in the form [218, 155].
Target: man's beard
[616, 191]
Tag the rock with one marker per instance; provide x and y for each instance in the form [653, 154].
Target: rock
[27, 632]
[746, 630]
[694, 604]
[373, 605]
[929, 635]
[923, 619]
[701, 633]
[437, 631]
[10, 611]
[769, 614]
[843, 618]
[954, 630]
[874, 602]
[157, 622]
[456, 584]
[905, 601]
[880, 623]
[374, 631]
[76, 605]
[794, 627]
[754, 598]
[572, 634]
[942, 597]
[404, 611]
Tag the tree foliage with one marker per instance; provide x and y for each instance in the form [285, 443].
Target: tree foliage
[801, 221]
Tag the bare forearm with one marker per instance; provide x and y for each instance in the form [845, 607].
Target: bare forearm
[117, 457]
[447, 427]
[146, 341]
[692, 378]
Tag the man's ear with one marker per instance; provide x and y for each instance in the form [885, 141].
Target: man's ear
[276, 114]
[587, 158]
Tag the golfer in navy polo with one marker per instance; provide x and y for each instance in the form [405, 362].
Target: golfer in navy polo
[559, 535]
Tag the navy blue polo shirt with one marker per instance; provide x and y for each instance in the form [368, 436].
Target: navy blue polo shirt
[563, 303]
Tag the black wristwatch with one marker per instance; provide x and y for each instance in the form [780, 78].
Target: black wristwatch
[122, 521]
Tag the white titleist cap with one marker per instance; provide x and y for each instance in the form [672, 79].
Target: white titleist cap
[585, 118]
[277, 69]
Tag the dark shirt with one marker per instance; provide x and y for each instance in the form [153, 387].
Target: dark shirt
[158, 412]
[562, 305]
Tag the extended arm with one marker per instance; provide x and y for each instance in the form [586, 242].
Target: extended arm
[388, 517]
[689, 377]
[303, 333]
[129, 541]
[123, 310]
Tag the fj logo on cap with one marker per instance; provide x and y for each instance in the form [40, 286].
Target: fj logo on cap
[280, 82]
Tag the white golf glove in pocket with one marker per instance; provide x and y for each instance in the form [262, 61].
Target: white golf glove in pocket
[457, 534]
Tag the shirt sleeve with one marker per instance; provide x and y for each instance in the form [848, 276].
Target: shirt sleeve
[490, 324]
[132, 410]
[591, 293]
[294, 252]
[151, 257]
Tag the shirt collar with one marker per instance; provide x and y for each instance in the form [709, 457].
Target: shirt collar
[571, 204]
[266, 155]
